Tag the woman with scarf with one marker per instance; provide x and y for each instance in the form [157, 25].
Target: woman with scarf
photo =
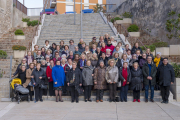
[110, 46]
[82, 62]
[87, 52]
[46, 46]
[124, 59]
[29, 58]
[113, 42]
[93, 50]
[101, 40]
[117, 60]
[47, 61]
[61, 45]
[87, 75]
[132, 61]
[57, 57]
[43, 52]
[126, 49]
[48, 53]
[99, 52]
[49, 76]
[112, 76]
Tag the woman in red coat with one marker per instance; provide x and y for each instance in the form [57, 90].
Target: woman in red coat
[49, 76]
[110, 46]
[103, 49]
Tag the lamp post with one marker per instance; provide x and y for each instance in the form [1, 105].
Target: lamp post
[81, 21]
[74, 13]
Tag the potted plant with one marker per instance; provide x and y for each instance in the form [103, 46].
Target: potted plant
[176, 86]
[133, 31]
[162, 47]
[3, 54]
[24, 22]
[19, 51]
[19, 35]
[116, 19]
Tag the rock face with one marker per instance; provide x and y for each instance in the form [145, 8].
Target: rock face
[151, 15]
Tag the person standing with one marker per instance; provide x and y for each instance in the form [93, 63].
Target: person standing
[136, 81]
[93, 42]
[74, 80]
[38, 76]
[149, 74]
[59, 79]
[135, 48]
[112, 79]
[125, 78]
[166, 77]
[87, 75]
[39, 57]
[71, 45]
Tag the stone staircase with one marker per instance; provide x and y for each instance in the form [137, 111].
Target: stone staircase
[61, 27]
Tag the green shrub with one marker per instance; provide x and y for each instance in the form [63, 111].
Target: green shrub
[3, 54]
[127, 15]
[151, 47]
[133, 28]
[160, 44]
[176, 70]
[25, 19]
[33, 23]
[19, 32]
[116, 18]
[18, 47]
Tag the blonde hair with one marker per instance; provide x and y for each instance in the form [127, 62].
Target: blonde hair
[110, 61]
[48, 50]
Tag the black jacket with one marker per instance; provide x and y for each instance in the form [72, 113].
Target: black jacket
[101, 59]
[134, 49]
[78, 76]
[145, 70]
[22, 76]
[165, 75]
[118, 63]
[121, 78]
[19, 69]
[150, 55]
[136, 79]
[107, 59]
[38, 74]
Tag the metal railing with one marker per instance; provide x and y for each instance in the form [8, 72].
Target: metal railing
[20, 6]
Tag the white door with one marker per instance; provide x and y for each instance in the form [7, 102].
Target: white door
[100, 1]
[69, 8]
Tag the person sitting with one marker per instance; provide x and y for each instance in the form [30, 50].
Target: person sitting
[57, 57]
[94, 60]
[101, 40]
[57, 50]
[87, 77]
[34, 53]
[113, 42]
[61, 45]
[116, 50]
[39, 57]
[82, 62]
[43, 52]
[87, 52]
[59, 79]
[110, 46]
[93, 50]
[71, 56]
[66, 50]
[92, 43]
[117, 60]
[74, 80]
[29, 58]
[143, 60]
[77, 51]
[82, 48]
[135, 48]
[47, 46]
[71, 45]
[53, 48]
[48, 54]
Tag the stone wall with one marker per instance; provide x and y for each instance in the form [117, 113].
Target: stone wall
[111, 8]
[17, 17]
[151, 15]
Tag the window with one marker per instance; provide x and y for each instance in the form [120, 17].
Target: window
[86, 7]
[69, 0]
[100, 1]
[69, 8]
[86, 1]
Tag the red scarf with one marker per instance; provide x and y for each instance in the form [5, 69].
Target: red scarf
[125, 75]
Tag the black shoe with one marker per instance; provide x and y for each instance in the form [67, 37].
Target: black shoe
[114, 100]
[77, 101]
[41, 100]
[146, 100]
[110, 100]
[121, 100]
[72, 101]
[125, 101]
[166, 102]
[85, 100]
[152, 100]
[163, 101]
[90, 100]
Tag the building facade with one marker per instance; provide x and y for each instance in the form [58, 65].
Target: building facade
[63, 6]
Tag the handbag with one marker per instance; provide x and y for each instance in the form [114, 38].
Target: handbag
[72, 83]
[79, 90]
[31, 83]
[42, 86]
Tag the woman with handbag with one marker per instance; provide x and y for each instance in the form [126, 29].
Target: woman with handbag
[100, 83]
[38, 76]
[28, 82]
[74, 80]
[112, 79]
[59, 79]
[125, 78]
[87, 75]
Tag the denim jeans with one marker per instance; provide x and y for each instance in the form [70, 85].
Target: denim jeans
[147, 90]
[124, 92]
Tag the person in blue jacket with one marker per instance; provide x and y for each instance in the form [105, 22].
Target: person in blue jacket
[59, 79]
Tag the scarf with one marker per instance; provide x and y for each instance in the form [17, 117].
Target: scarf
[70, 66]
[125, 75]
[86, 52]
[63, 65]
[157, 60]
[29, 60]
[51, 67]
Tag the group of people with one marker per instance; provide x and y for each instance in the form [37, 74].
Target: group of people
[100, 66]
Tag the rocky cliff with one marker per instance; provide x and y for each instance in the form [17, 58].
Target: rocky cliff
[151, 15]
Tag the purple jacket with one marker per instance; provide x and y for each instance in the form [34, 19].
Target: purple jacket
[27, 58]
[141, 62]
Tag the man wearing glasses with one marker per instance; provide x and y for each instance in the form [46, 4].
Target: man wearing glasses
[93, 42]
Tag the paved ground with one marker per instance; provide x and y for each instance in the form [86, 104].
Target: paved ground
[49, 110]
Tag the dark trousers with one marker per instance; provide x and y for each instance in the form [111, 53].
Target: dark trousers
[99, 94]
[74, 94]
[124, 92]
[38, 93]
[165, 92]
[51, 89]
[30, 92]
[147, 90]
[112, 91]
[87, 92]
[136, 94]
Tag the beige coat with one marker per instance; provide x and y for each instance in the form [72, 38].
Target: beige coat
[28, 78]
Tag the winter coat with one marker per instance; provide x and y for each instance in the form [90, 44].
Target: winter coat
[106, 40]
[67, 69]
[134, 49]
[80, 45]
[142, 62]
[145, 70]
[78, 76]
[58, 76]
[136, 79]
[22, 76]
[82, 50]
[72, 48]
[150, 55]
[131, 62]
[94, 62]
[39, 58]
[19, 68]
[105, 61]
[80, 63]
[28, 58]
[88, 55]
[52, 49]
[87, 75]
[54, 59]
[100, 78]
[112, 74]
[165, 75]
[28, 77]
[70, 57]
[99, 54]
[121, 78]
[103, 50]
[49, 73]
[91, 43]
[111, 47]
[118, 63]
[76, 52]
[38, 74]
[61, 47]
[65, 52]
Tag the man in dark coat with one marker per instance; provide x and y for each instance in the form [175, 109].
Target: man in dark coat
[149, 73]
[135, 48]
[166, 77]
[74, 80]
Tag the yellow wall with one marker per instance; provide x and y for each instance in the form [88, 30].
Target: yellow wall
[92, 1]
[78, 6]
[61, 7]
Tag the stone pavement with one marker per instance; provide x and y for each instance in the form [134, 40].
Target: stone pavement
[49, 110]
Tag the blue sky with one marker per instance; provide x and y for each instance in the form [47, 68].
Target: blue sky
[32, 3]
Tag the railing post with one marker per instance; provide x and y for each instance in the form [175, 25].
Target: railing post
[10, 75]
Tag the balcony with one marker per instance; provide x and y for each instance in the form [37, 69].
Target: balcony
[53, 3]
